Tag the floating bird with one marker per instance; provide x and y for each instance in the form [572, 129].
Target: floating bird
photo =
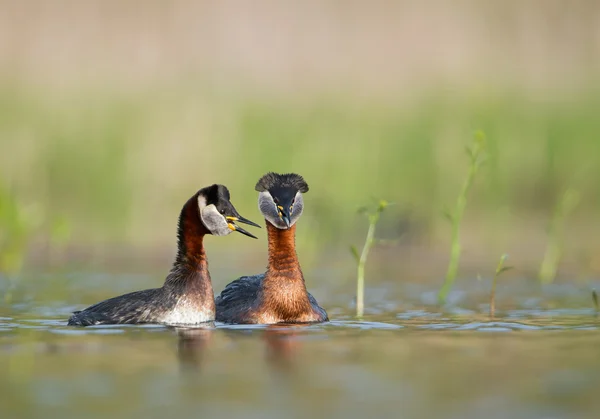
[186, 298]
[279, 295]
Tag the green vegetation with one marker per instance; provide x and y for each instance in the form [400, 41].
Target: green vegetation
[361, 259]
[19, 226]
[17, 223]
[115, 166]
[565, 206]
[499, 269]
[476, 158]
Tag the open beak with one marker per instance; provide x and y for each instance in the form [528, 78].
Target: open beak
[241, 219]
[235, 227]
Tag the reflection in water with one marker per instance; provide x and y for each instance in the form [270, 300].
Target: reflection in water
[527, 364]
[282, 345]
[191, 345]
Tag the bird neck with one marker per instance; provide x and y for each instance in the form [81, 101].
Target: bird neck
[191, 261]
[283, 260]
[284, 295]
[189, 276]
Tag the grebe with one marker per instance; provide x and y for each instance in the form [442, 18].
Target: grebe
[186, 298]
[279, 295]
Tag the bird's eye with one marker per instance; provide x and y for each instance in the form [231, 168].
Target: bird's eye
[222, 211]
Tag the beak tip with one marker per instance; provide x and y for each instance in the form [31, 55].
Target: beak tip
[244, 232]
[247, 221]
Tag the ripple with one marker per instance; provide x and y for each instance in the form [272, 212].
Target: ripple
[365, 325]
[454, 318]
[69, 331]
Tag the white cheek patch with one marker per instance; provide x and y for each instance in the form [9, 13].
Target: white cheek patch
[268, 209]
[297, 208]
[214, 221]
[265, 200]
[201, 202]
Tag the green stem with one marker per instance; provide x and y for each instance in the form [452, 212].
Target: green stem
[499, 269]
[360, 283]
[455, 251]
[564, 207]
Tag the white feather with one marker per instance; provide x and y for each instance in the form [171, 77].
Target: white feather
[187, 313]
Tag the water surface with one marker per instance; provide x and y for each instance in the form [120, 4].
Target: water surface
[538, 359]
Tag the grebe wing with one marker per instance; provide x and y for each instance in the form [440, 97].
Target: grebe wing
[237, 298]
[135, 307]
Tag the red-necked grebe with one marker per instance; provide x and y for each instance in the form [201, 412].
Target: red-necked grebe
[279, 295]
[186, 298]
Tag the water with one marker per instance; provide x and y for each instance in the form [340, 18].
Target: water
[404, 359]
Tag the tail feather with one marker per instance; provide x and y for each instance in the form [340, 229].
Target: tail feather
[88, 318]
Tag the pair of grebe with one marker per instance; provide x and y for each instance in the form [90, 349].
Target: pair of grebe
[186, 298]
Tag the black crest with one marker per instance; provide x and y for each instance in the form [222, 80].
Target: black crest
[215, 194]
[275, 180]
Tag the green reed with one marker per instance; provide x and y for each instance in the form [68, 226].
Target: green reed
[19, 224]
[564, 207]
[499, 269]
[102, 159]
[16, 222]
[361, 259]
[476, 159]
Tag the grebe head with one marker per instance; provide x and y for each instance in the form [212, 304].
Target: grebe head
[280, 198]
[218, 213]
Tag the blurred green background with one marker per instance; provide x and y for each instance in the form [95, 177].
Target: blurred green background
[112, 114]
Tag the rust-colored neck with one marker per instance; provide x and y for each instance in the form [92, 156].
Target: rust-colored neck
[282, 252]
[191, 264]
[284, 294]
[189, 276]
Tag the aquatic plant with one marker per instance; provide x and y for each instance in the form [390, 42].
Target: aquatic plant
[595, 299]
[19, 223]
[361, 258]
[16, 223]
[396, 153]
[15, 227]
[564, 207]
[476, 159]
[499, 269]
